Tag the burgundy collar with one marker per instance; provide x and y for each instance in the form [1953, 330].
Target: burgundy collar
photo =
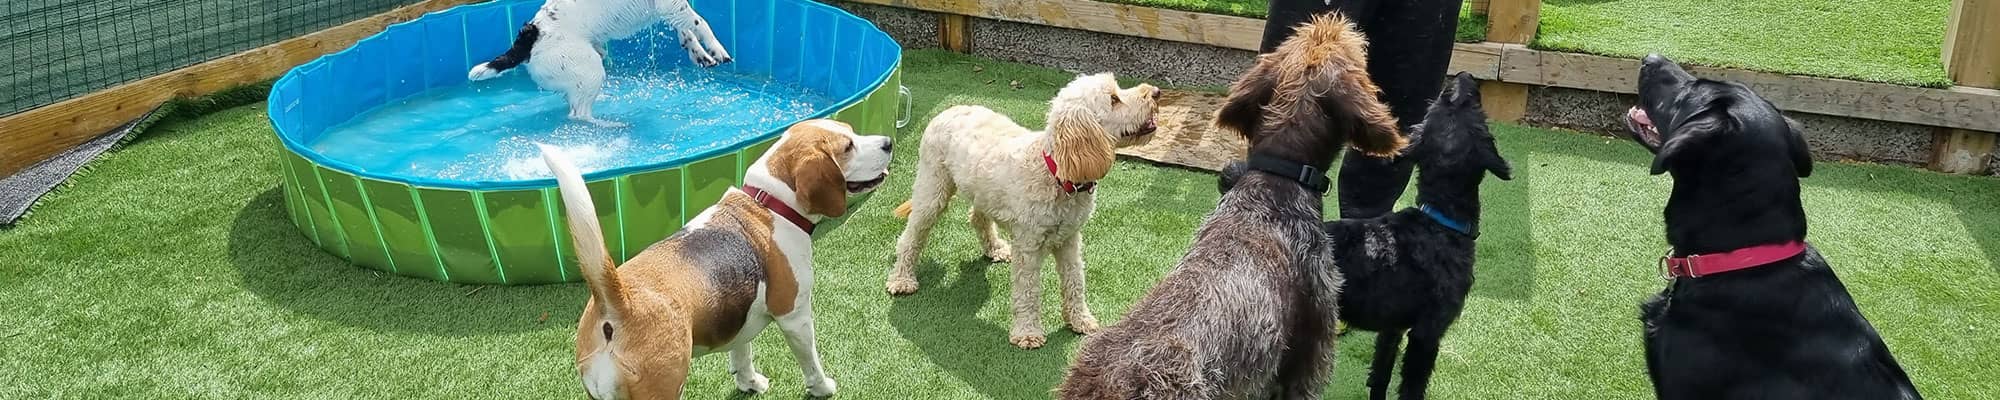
[1067, 186]
[779, 206]
[1700, 265]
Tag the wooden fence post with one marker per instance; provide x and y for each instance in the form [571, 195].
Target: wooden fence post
[1510, 22]
[955, 32]
[1479, 6]
[1971, 58]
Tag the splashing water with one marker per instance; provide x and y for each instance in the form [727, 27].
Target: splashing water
[487, 131]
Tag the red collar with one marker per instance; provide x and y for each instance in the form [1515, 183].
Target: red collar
[1700, 265]
[1068, 186]
[779, 206]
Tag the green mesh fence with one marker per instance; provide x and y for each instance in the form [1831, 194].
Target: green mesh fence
[52, 50]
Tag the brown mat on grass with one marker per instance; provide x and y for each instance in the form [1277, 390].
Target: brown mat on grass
[1187, 136]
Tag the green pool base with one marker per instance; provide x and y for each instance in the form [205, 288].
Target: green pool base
[515, 237]
[512, 233]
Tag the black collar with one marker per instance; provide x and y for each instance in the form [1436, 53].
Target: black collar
[1312, 178]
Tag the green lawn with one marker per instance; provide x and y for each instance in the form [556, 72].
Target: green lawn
[169, 271]
[1893, 41]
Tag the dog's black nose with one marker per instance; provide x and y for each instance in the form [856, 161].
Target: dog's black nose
[889, 146]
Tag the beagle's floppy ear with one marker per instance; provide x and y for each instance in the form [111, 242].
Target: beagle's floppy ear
[808, 161]
[817, 180]
[1795, 138]
[1082, 148]
[1243, 111]
[1355, 100]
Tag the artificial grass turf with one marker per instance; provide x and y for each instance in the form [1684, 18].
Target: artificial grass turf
[170, 271]
[1893, 41]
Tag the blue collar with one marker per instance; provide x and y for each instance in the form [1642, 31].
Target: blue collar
[1444, 220]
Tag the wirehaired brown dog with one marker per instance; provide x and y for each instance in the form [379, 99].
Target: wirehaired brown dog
[1249, 311]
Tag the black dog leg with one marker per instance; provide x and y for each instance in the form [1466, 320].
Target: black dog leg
[1419, 361]
[1386, 344]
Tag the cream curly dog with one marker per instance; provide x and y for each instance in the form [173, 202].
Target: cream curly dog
[1038, 186]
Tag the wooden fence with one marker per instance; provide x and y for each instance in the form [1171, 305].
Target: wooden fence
[1965, 115]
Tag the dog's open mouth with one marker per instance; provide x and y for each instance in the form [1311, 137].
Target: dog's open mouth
[863, 186]
[1151, 125]
[1642, 127]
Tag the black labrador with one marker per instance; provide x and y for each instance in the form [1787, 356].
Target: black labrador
[1750, 311]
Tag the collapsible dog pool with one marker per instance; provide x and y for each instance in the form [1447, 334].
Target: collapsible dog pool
[395, 162]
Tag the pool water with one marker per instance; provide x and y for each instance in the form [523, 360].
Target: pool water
[486, 131]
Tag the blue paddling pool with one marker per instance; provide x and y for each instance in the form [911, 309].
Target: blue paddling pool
[395, 162]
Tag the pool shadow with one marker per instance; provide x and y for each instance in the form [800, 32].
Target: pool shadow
[941, 319]
[279, 265]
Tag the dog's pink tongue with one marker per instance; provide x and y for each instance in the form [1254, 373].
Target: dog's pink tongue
[1638, 115]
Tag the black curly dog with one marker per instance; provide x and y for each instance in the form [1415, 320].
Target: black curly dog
[1410, 271]
[1782, 329]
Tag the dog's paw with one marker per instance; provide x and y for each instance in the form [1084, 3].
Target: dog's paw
[902, 285]
[824, 388]
[1085, 325]
[1000, 254]
[702, 60]
[752, 383]
[1028, 340]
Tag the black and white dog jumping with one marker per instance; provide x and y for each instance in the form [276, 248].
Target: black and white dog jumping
[1750, 310]
[1409, 271]
[566, 42]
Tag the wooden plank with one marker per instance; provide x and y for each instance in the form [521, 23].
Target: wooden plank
[1972, 43]
[31, 136]
[1503, 101]
[1479, 7]
[1971, 58]
[1096, 16]
[1481, 59]
[1512, 21]
[1960, 151]
[955, 32]
[1958, 107]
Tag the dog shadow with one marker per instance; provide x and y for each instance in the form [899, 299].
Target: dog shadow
[1506, 264]
[279, 265]
[942, 320]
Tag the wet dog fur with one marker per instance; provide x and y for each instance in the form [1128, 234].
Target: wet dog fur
[1406, 272]
[1249, 311]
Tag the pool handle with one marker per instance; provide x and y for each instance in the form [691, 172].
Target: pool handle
[903, 119]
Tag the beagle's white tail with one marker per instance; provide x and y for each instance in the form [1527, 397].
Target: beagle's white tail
[591, 254]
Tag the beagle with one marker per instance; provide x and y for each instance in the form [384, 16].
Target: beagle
[739, 265]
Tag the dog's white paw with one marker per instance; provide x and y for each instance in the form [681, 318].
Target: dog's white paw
[702, 60]
[481, 72]
[752, 383]
[824, 388]
[902, 285]
[1028, 339]
[721, 56]
[1000, 253]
